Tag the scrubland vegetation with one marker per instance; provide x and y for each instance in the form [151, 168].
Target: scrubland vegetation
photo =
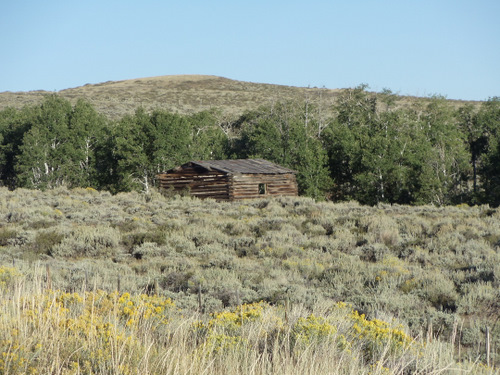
[92, 282]
[102, 274]
[362, 146]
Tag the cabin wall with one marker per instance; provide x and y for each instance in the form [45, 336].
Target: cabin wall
[246, 186]
[210, 184]
[221, 186]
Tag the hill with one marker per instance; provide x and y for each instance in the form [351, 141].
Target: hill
[185, 94]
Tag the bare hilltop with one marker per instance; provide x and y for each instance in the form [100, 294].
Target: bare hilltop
[184, 94]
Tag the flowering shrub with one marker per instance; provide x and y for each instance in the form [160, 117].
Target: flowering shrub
[410, 262]
[95, 328]
[236, 317]
[343, 330]
[223, 330]
[7, 276]
[100, 332]
[145, 307]
[312, 330]
[13, 358]
[378, 335]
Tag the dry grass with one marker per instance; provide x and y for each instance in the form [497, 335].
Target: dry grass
[96, 332]
[187, 94]
[413, 264]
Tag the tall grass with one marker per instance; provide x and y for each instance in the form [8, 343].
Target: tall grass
[434, 270]
[96, 332]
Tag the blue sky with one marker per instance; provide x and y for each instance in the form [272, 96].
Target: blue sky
[445, 47]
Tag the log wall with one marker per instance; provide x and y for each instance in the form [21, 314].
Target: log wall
[246, 186]
[221, 186]
[207, 185]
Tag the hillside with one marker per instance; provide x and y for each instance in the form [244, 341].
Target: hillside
[184, 94]
[426, 280]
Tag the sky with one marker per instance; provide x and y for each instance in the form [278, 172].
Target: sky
[412, 47]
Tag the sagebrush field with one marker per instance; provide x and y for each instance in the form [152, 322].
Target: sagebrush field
[94, 283]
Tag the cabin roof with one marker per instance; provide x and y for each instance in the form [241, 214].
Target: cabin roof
[238, 166]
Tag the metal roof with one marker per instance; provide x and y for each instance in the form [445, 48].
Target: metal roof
[242, 166]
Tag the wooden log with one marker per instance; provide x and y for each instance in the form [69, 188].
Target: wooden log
[218, 185]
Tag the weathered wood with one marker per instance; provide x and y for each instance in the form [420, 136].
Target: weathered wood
[231, 179]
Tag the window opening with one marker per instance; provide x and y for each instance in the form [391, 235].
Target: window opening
[262, 188]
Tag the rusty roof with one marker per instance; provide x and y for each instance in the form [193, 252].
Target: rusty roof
[241, 166]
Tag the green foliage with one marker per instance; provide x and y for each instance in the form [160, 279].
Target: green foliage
[87, 241]
[491, 173]
[365, 148]
[489, 118]
[88, 131]
[147, 144]
[57, 145]
[45, 241]
[42, 162]
[210, 138]
[7, 234]
[396, 156]
[13, 125]
[287, 134]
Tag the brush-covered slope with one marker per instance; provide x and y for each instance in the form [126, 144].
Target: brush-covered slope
[176, 93]
[185, 94]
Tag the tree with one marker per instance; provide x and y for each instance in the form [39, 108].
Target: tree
[211, 136]
[356, 107]
[449, 157]
[13, 125]
[491, 173]
[378, 162]
[489, 119]
[43, 160]
[145, 145]
[286, 133]
[130, 144]
[172, 139]
[349, 143]
[58, 145]
[87, 130]
[475, 139]
[397, 155]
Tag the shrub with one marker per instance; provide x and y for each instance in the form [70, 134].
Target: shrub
[386, 260]
[479, 299]
[7, 276]
[378, 336]
[42, 224]
[382, 229]
[373, 253]
[177, 281]
[45, 242]
[440, 291]
[149, 250]
[474, 252]
[5, 235]
[88, 241]
[312, 330]
[157, 236]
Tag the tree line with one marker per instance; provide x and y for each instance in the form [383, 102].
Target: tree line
[364, 148]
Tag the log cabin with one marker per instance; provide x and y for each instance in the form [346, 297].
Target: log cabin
[230, 180]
